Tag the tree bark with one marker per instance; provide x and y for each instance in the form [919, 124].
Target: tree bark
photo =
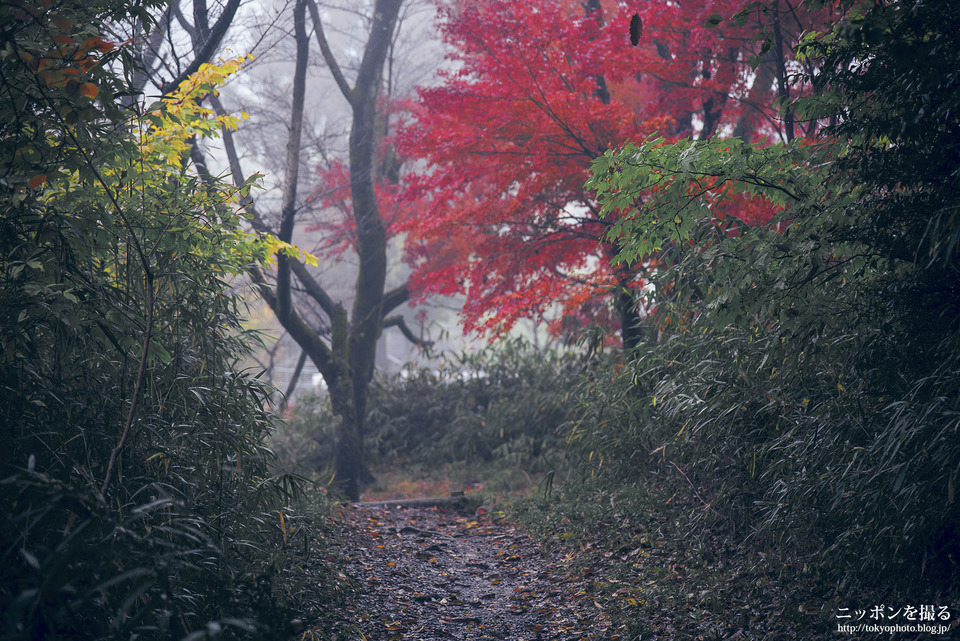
[783, 81]
[366, 317]
[344, 356]
[631, 333]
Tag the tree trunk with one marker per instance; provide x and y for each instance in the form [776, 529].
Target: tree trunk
[346, 358]
[366, 318]
[631, 333]
[348, 454]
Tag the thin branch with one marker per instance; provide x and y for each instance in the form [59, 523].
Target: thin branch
[310, 284]
[233, 158]
[314, 289]
[184, 23]
[210, 46]
[299, 331]
[400, 323]
[328, 56]
[292, 385]
[141, 374]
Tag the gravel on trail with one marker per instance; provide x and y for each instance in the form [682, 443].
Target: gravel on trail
[435, 573]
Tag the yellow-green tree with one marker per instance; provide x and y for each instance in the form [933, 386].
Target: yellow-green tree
[136, 481]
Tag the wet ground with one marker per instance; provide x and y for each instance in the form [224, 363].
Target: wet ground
[433, 573]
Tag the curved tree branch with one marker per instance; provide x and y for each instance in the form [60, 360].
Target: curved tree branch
[395, 297]
[308, 339]
[314, 289]
[400, 323]
[328, 56]
[288, 198]
[210, 46]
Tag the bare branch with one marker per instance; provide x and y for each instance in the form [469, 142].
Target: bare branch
[310, 284]
[293, 380]
[288, 206]
[395, 297]
[183, 22]
[314, 289]
[400, 323]
[209, 47]
[328, 54]
[233, 158]
[299, 331]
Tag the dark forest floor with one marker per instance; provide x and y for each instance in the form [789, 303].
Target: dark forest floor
[630, 566]
[436, 573]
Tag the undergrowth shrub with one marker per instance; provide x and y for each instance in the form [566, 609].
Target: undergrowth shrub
[137, 495]
[501, 405]
[306, 441]
[503, 402]
[195, 534]
[806, 374]
[830, 453]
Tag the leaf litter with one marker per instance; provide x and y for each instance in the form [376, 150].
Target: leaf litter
[434, 573]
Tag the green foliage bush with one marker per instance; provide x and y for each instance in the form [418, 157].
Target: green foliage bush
[502, 404]
[805, 378]
[807, 452]
[139, 499]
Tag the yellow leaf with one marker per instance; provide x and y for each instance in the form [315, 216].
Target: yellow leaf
[309, 258]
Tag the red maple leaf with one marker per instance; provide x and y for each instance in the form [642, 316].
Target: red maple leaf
[537, 91]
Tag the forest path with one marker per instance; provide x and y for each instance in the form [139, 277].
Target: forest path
[434, 573]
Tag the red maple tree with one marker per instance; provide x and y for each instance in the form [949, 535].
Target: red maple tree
[539, 90]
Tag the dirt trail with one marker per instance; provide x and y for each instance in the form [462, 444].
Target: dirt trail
[430, 573]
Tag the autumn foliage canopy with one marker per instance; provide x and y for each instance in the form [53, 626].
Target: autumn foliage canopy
[493, 203]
